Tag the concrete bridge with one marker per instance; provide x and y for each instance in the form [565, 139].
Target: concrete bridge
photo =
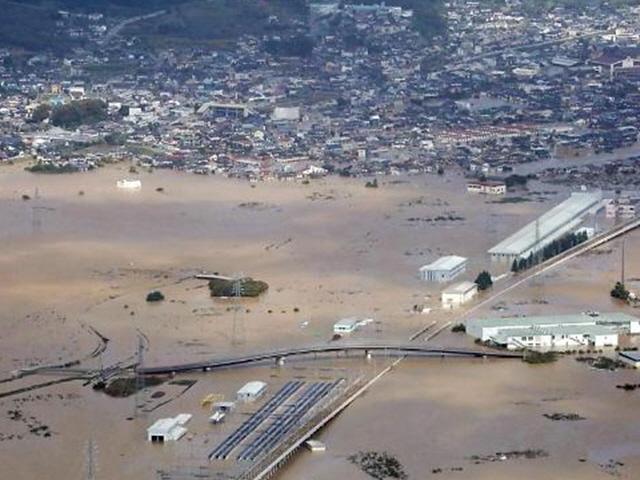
[280, 356]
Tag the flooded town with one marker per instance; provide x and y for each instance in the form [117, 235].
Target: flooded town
[318, 240]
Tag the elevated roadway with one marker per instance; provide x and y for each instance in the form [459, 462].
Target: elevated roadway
[280, 355]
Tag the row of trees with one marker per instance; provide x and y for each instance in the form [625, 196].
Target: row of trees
[551, 250]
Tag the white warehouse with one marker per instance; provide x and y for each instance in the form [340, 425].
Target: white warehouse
[560, 220]
[444, 269]
[557, 332]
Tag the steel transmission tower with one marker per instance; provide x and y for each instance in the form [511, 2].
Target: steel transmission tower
[238, 332]
[139, 400]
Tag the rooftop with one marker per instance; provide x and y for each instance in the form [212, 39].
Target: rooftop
[252, 388]
[551, 225]
[462, 287]
[445, 263]
[546, 321]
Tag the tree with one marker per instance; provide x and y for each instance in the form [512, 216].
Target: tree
[514, 266]
[484, 280]
[155, 296]
[40, 113]
[620, 291]
[372, 184]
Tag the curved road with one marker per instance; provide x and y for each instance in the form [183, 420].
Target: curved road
[393, 349]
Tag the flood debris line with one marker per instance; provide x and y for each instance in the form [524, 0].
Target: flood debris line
[563, 417]
[612, 467]
[529, 454]
[379, 465]
[629, 387]
[602, 363]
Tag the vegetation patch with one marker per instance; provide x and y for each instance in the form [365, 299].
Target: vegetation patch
[563, 417]
[628, 387]
[602, 363]
[484, 280]
[534, 357]
[47, 167]
[529, 454]
[127, 386]
[155, 296]
[459, 328]
[244, 287]
[620, 292]
[379, 465]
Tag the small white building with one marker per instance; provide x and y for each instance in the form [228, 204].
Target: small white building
[458, 294]
[168, 429]
[346, 325]
[489, 187]
[251, 391]
[444, 269]
[630, 358]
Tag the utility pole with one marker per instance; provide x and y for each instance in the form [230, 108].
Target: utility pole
[139, 378]
[90, 461]
[622, 264]
[238, 333]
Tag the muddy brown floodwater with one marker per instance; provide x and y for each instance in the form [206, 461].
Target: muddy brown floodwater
[328, 250]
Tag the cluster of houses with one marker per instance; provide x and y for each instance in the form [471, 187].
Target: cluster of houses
[373, 96]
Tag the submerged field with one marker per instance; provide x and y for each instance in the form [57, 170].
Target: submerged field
[328, 250]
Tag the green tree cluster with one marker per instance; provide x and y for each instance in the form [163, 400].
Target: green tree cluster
[79, 112]
[620, 292]
[484, 280]
[245, 287]
[556, 247]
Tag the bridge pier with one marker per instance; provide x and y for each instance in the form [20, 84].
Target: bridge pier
[280, 361]
[367, 354]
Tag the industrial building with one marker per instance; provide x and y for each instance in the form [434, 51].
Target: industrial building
[458, 294]
[555, 332]
[444, 269]
[251, 391]
[560, 220]
[168, 429]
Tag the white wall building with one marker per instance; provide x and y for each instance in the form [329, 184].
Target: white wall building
[251, 391]
[444, 269]
[168, 429]
[558, 332]
[458, 294]
[488, 187]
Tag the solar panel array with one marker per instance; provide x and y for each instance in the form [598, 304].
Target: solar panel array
[270, 437]
[223, 450]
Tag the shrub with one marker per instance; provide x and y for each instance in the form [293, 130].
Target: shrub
[155, 296]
